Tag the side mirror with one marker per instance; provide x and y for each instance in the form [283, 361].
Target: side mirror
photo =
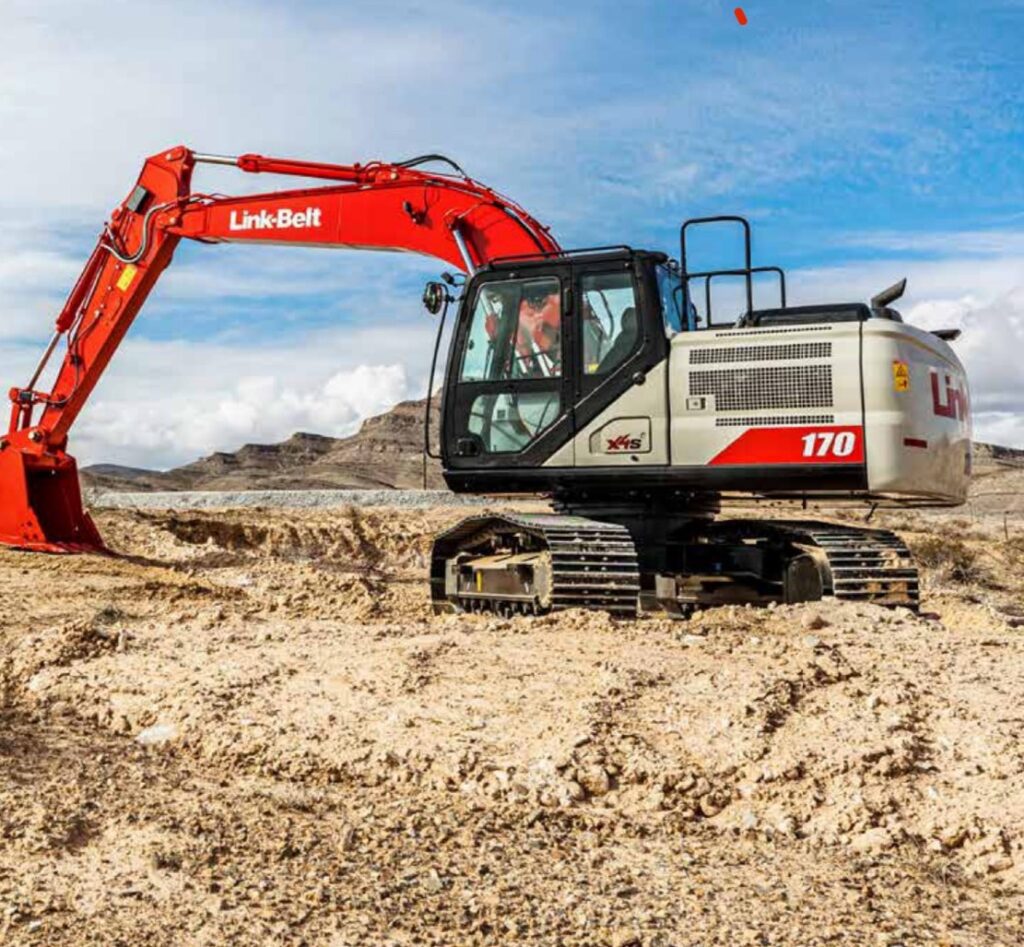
[434, 297]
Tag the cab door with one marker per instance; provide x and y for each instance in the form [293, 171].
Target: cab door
[621, 413]
[508, 398]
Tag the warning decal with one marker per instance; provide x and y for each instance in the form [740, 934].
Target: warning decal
[900, 375]
[126, 277]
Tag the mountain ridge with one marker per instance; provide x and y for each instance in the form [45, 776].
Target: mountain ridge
[385, 453]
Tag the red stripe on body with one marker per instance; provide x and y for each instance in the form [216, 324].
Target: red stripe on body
[823, 444]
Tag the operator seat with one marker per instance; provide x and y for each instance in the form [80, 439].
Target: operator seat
[624, 342]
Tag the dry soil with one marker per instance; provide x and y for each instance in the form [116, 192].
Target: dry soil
[249, 729]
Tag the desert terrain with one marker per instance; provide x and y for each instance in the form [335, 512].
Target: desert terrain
[249, 728]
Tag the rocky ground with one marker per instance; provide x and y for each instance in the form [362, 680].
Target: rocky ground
[249, 729]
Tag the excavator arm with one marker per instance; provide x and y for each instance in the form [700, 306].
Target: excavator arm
[376, 206]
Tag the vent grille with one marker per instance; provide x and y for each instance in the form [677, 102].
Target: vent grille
[766, 389]
[776, 421]
[762, 353]
[733, 334]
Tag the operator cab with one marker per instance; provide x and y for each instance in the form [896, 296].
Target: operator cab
[542, 344]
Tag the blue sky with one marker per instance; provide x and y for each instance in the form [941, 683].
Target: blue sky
[867, 141]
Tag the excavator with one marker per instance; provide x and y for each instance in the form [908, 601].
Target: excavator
[596, 377]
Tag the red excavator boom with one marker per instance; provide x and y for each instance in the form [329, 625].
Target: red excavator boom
[378, 206]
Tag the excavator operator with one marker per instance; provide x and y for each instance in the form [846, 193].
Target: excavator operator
[539, 339]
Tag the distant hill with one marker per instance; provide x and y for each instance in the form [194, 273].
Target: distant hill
[996, 455]
[386, 452]
[118, 477]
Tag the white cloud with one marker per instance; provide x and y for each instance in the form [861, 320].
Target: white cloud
[255, 409]
[985, 243]
[88, 88]
[36, 271]
[163, 404]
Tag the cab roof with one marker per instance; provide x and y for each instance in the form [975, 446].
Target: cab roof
[586, 254]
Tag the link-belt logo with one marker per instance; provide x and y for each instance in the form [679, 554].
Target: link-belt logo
[281, 219]
[627, 442]
[949, 399]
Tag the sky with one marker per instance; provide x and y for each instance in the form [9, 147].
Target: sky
[867, 141]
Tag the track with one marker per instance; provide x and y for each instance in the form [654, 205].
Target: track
[558, 562]
[532, 563]
[871, 565]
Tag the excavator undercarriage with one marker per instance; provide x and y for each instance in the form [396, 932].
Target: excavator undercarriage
[537, 563]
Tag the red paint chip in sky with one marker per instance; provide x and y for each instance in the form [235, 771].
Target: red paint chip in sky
[741, 17]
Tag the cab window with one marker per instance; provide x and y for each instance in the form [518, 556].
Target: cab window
[670, 289]
[609, 320]
[506, 422]
[516, 331]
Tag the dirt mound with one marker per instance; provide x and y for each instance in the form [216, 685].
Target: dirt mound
[364, 539]
[62, 644]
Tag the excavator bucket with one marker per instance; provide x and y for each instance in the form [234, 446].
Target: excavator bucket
[41, 506]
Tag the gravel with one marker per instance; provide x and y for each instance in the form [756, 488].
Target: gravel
[280, 499]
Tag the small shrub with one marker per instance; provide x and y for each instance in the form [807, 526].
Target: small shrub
[951, 558]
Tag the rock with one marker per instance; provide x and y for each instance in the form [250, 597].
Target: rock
[709, 805]
[575, 791]
[952, 836]
[547, 799]
[813, 621]
[594, 779]
[432, 882]
[786, 826]
[832, 667]
[655, 801]
[347, 841]
[872, 841]
[624, 938]
[999, 863]
[157, 734]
